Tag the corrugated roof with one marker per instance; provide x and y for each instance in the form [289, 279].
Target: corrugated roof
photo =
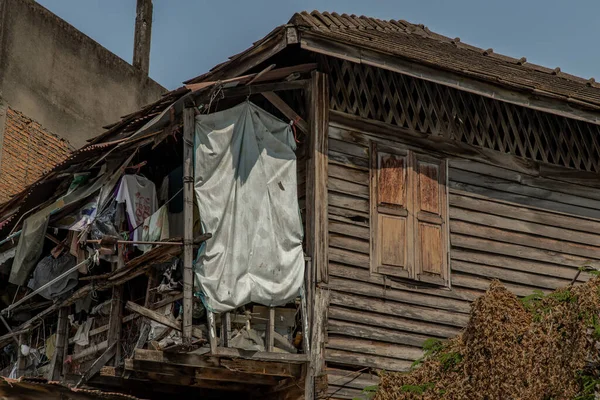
[417, 43]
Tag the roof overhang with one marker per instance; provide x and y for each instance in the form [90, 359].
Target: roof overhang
[530, 98]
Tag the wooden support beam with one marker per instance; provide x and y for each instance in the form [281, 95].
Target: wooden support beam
[316, 367]
[56, 364]
[161, 319]
[212, 331]
[114, 323]
[148, 300]
[88, 351]
[98, 364]
[21, 361]
[317, 176]
[11, 334]
[166, 300]
[270, 331]
[286, 110]
[225, 329]
[317, 223]
[274, 364]
[188, 224]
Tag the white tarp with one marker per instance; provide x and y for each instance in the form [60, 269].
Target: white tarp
[245, 182]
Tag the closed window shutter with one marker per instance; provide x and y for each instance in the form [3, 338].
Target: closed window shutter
[430, 214]
[391, 252]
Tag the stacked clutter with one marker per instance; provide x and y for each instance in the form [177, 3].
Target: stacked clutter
[540, 347]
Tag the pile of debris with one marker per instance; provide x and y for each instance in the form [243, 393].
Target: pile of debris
[538, 347]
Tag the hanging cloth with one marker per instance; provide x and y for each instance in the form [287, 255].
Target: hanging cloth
[245, 183]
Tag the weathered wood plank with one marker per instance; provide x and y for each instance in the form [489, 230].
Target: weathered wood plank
[483, 284]
[346, 160]
[349, 148]
[575, 251]
[347, 242]
[349, 230]
[379, 334]
[399, 309]
[381, 292]
[558, 272]
[513, 250]
[373, 347]
[541, 204]
[527, 180]
[362, 275]
[516, 187]
[488, 205]
[508, 222]
[374, 318]
[341, 186]
[161, 319]
[509, 275]
[349, 257]
[349, 174]
[353, 359]
[348, 202]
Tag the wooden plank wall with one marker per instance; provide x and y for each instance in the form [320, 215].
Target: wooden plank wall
[531, 233]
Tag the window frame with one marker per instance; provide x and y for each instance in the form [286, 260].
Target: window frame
[413, 270]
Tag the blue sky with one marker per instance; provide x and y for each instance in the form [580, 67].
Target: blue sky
[191, 36]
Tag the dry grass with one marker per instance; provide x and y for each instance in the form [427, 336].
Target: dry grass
[538, 348]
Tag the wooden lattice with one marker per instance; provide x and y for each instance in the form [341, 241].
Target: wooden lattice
[426, 107]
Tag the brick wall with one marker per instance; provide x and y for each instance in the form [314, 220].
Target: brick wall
[28, 150]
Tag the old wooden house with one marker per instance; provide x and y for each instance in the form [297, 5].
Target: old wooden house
[425, 168]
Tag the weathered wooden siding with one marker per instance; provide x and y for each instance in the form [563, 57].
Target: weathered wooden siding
[529, 232]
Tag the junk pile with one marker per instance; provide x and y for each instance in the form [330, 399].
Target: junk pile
[538, 347]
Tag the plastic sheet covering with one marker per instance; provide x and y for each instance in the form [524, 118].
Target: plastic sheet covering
[29, 248]
[49, 268]
[245, 182]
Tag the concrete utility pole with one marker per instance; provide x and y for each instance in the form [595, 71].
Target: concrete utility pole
[143, 36]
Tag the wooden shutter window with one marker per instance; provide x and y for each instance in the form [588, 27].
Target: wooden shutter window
[408, 215]
[430, 211]
[391, 251]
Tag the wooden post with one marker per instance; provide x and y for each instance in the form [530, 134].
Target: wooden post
[115, 322]
[21, 361]
[62, 336]
[225, 329]
[317, 226]
[212, 332]
[317, 175]
[270, 330]
[148, 302]
[188, 226]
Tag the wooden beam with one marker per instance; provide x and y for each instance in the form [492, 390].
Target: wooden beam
[277, 364]
[214, 374]
[114, 322]
[286, 110]
[225, 329]
[270, 330]
[161, 319]
[317, 176]
[98, 364]
[212, 331]
[316, 367]
[148, 300]
[56, 364]
[188, 223]
[21, 360]
[167, 300]
[265, 87]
